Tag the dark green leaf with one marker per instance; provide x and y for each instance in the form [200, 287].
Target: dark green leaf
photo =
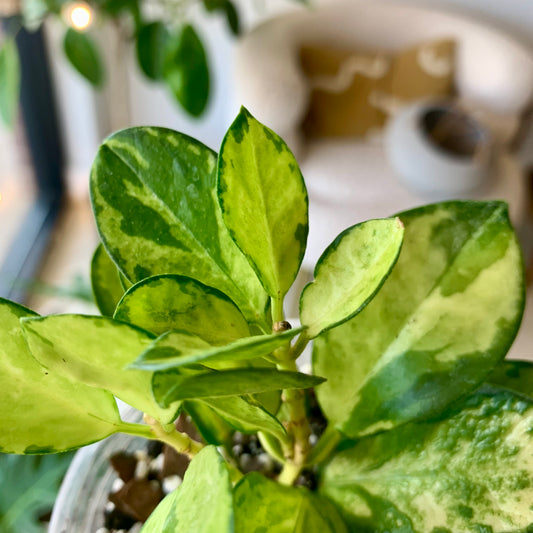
[186, 72]
[41, 411]
[514, 375]
[349, 273]
[105, 281]
[470, 472]
[177, 349]
[95, 351]
[152, 40]
[202, 504]
[9, 82]
[162, 303]
[232, 16]
[443, 319]
[84, 56]
[169, 387]
[264, 201]
[153, 191]
[28, 488]
[213, 428]
[262, 505]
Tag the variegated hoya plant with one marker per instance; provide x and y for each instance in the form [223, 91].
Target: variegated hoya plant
[428, 429]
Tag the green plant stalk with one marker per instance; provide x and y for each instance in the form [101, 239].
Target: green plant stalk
[168, 434]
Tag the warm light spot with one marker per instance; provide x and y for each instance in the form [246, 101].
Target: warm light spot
[79, 15]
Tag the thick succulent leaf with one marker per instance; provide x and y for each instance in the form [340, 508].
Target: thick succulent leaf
[176, 349]
[84, 56]
[514, 375]
[40, 411]
[153, 194]
[170, 386]
[105, 281]
[349, 273]
[95, 351]
[202, 504]
[9, 82]
[446, 315]
[263, 505]
[162, 303]
[264, 201]
[246, 415]
[472, 471]
[152, 39]
[186, 71]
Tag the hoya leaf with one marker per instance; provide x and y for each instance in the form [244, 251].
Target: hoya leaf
[177, 349]
[105, 281]
[162, 303]
[41, 411]
[246, 415]
[514, 375]
[264, 201]
[213, 428]
[202, 504]
[186, 71]
[472, 471]
[95, 351]
[154, 199]
[168, 388]
[84, 56]
[9, 82]
[28, 489]
[263, 505]
[152, 39]
[349, 273]
[446, 315]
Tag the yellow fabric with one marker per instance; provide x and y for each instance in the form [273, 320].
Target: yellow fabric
[353, 92]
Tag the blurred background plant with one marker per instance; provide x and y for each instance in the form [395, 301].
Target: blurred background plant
[169, 49]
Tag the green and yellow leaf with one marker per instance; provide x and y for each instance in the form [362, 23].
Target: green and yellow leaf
[105, 281]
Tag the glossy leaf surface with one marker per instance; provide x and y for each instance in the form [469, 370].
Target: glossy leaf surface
[176, 349]
[152, 39]
[470, 472]
[202, 504]
[169, 387]
[162, 303]
[444, 318]
[84, 56]
[40, 411]
[95, 351]
[9, 82]
[153, 194]
[263, 505]
[105, 282]
[246, 415]
[186, 71]
[264, 201]
[349, 273]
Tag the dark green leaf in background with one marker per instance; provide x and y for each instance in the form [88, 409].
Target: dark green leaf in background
[105, 281]
[83, 54]
[28, 488]
[469, 472]
[152, 40]
[514, 375]
[264, 201]
[445, 316]
[186, 71]
[9, 82]
[262, 505]
[232, 17]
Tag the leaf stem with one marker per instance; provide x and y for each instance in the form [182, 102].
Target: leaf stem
[276, 305]
[325, 446]
[168, 434]
[289, 474]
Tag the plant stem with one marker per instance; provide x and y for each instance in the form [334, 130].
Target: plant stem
[289, 474]
[276, 305]
[168, 434]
